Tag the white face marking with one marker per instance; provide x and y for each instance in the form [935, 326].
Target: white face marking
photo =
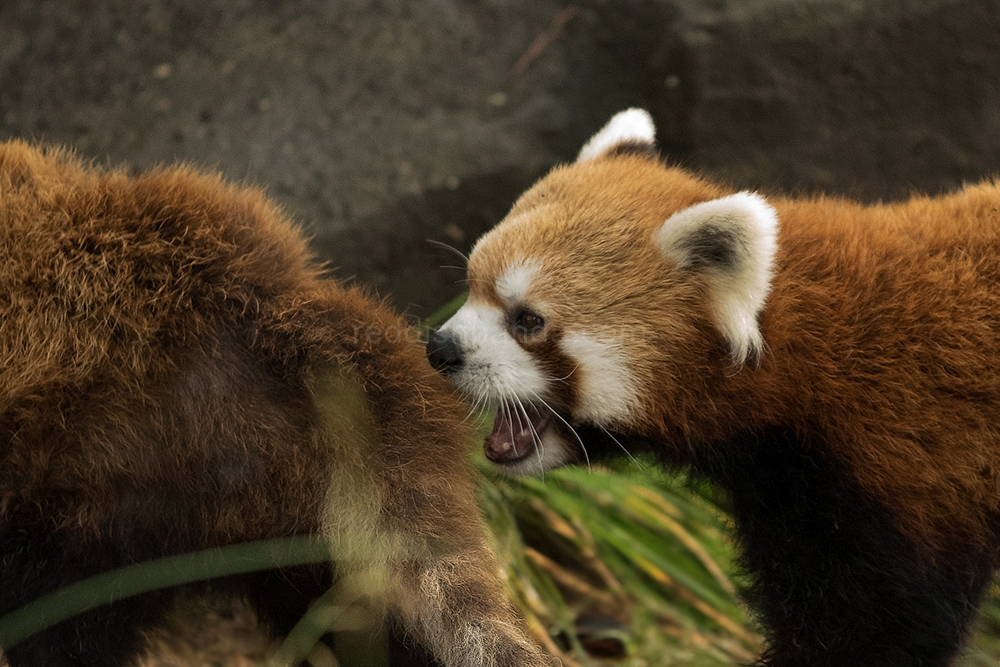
[514, 284]
[495, 365]
[606, 390]
[497, 369]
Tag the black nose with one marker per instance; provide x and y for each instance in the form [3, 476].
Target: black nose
[444, 352]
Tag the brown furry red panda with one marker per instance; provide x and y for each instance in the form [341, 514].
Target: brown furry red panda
[176, 375]
[834, 367]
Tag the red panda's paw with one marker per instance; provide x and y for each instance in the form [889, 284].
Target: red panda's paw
[464, 615]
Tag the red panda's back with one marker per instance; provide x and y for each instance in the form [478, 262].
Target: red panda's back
[895, 310]
[130, 314]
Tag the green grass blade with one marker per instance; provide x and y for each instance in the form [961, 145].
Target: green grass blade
[156, 574]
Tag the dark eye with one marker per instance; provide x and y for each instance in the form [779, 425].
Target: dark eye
[527, 322]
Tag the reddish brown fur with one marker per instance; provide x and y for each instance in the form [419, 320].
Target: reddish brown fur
[882, 327]
[161, 341]
[830, 366]
[884, 324]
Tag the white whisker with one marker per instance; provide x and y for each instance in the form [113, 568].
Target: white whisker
[518, 409]
[510, 421]
[510, 396]
[479, 404]
[565, 377]
[450, 248]
[576, 435]
[535, 437]
[618, 442]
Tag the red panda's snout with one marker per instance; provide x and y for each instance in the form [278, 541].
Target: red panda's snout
[517, 349]
[508, 360]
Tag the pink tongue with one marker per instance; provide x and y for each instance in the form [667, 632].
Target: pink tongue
[514, 433]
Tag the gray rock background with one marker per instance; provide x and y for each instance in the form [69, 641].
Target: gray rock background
[380, 124]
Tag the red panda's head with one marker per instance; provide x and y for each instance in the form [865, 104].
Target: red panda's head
[603, 295]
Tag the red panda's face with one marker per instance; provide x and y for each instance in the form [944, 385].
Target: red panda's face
[584, 306]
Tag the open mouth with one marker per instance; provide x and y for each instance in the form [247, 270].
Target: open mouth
[516, 431]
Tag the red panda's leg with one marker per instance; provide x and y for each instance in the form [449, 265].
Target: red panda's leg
[402, 510]
[450, 600]
[834, 581]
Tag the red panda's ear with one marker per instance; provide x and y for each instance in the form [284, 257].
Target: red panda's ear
[732, 242]
[632, 129]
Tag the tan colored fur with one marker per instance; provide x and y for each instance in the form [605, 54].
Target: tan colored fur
[173, 364]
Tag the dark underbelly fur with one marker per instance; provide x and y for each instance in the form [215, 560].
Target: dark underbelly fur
[833, 582]
[112, 634]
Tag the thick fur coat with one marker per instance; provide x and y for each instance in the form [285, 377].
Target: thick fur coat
[835, 367]
[176, 375]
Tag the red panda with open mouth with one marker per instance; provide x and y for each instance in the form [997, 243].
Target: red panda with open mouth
[831, 366]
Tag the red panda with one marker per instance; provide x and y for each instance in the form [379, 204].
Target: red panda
[176, 374]
[830, 365]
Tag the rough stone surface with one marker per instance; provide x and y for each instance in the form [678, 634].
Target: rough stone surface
[382, 123]
[870, 99]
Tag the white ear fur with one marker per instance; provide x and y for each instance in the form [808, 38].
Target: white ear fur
[731, 240]
[629, 126]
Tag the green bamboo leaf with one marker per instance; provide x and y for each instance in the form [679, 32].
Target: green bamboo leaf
[132, 580]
